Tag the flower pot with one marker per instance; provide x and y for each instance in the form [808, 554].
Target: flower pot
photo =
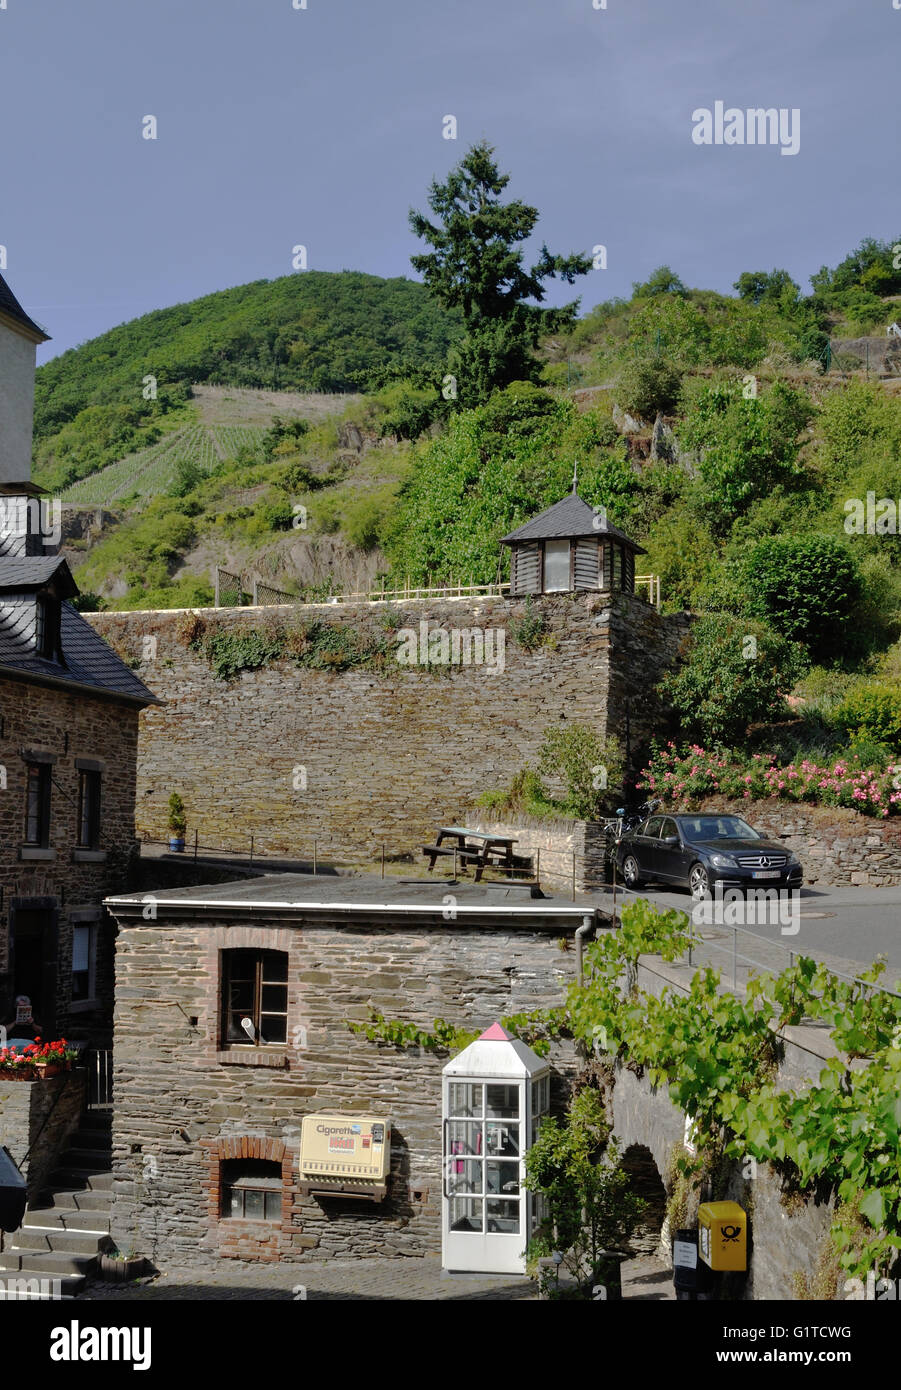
[117, 1269]
[176, 845]
[45, 1069]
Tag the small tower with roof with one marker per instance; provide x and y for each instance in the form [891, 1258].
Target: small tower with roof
[569, 548]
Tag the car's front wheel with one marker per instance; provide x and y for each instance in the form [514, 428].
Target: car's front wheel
[699, 881]
[631, 872]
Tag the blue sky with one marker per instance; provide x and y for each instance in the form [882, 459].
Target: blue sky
[323, 126]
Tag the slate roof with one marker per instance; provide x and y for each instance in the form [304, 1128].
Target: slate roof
[33, 572]
[11, 307]
[90, 662]
[569, 518]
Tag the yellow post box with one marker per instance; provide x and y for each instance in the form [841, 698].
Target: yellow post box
[723, 1235]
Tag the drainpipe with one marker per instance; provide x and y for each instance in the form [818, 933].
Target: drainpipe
[581, 933]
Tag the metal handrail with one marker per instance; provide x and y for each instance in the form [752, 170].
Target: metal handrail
[749, 960]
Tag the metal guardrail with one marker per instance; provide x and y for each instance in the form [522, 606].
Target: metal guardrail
[737, 957]
[233, 592]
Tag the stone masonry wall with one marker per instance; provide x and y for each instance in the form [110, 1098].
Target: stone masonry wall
[834, 844]
[551, 846]
[70, 725]
[386, 755]
[40, 1116]
[786, 1238]
[182, 1106]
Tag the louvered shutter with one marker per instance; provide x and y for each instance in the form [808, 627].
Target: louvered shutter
[525, 578]
[586, 564]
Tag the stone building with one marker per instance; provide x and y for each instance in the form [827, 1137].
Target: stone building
[69, 709]
[232, 1004]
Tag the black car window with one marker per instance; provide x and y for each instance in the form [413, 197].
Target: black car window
[669, 828]
[652, 827]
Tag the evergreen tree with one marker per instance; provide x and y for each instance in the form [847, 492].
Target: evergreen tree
[476, 266]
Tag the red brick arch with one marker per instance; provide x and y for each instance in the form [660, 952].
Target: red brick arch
[249, 1240]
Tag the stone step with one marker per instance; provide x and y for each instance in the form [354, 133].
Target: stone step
[60, 1218]
[82, 1199]
[58, 1241]
[93, 1139]
[86, 1158]
[78, 1175]
[35, 1262]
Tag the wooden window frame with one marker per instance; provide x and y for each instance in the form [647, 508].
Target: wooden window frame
[38, 775]
[90, 808]
[256, 1014]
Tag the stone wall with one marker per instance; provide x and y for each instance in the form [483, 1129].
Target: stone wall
[834, 844]
[40, 1116]
[557, 848]
[183, 1105]
[65, 880]
[786, 1235]
[386, 755]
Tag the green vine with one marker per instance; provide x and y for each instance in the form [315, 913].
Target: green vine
[537, 1028]
[717, 1054]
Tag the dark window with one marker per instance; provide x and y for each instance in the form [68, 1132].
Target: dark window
[88, 810]
[46, 628]
[669, 829]
[37, 805]
[251, 1189]
[651, 828]
[254, 988]
[83, 953]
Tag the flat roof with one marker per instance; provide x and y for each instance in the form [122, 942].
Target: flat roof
[331, 895]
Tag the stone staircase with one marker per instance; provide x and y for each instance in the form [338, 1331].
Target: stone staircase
[67, 1228]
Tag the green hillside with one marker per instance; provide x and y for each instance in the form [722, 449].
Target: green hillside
[313, 331]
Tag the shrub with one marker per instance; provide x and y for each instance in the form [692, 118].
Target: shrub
[591, 768]
[177, 821]
[807, 587]
[648, 384]
[278, 516]
[530, 630]
[746, 446]
[735, 674]
[872, 712]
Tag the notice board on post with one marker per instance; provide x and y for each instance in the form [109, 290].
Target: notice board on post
[345, 1155]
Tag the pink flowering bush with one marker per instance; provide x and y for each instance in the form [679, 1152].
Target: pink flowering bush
[685, 778]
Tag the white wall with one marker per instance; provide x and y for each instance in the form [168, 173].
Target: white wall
[17, 362]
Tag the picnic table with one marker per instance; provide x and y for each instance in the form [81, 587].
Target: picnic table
[478, 847]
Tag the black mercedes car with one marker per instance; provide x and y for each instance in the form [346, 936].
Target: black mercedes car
[700, 850]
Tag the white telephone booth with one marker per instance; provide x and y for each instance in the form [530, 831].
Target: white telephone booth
[495, 1093]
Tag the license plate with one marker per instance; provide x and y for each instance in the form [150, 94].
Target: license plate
[766, 873]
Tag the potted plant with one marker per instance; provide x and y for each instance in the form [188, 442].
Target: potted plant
[177, 824]
[17, 1066]
[118, 1266]
[50, 1058]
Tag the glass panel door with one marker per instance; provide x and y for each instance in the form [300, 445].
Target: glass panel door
[484, 1198]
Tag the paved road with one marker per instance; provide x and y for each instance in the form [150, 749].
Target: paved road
[646, 1278]
[845, 927]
